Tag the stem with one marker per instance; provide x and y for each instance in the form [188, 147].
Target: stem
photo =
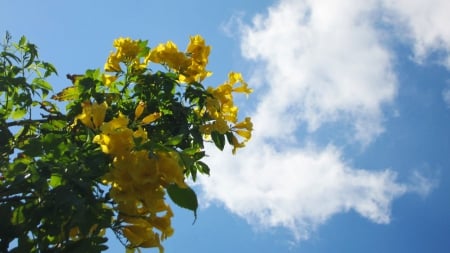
[34, 121]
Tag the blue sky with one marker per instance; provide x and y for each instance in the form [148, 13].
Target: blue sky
[351, 111]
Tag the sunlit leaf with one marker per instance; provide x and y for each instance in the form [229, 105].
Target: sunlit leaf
[55, 180]
[22, 41]
[68, 93]
[18, 113]
[42, 84]
[175, 140]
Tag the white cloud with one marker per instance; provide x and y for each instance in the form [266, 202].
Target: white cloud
[323, 63]
[318, 63]
[298, 189]
[426, 22]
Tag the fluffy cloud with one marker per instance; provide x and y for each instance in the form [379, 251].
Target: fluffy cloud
[324, 63]
[319, 63]
[425, 23]
[298, 189]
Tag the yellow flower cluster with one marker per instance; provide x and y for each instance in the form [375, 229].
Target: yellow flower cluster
[190, 65]
[127, 51]
[137, 181]
[137, 178]
[220, 107]
[93, 114]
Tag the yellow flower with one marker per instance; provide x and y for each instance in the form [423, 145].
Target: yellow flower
[113, 63]
[168, 54]
[142, 169]
[127, 49]
[98, 113]
[189, 65]
[198, 50]
[170, 169]
[139, 110]
[236, 144]
[140, 231]
[221, 126]
[244, 133]
[151, 118]
[117, 123]
[140, 133]
[163, 224]
[92, 115]
[235, 77]
[86, 114]
[246, 124]
[116, 138]
[141, 236]
[108, 79]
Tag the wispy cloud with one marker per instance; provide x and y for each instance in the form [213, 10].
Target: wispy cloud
[319, 63]
[425, 23]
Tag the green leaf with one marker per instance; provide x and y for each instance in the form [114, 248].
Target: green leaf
[42, 84]
[175, 140]
[49, 69]
[218, 139]
[18, 113]
[55, 180]
[18, 217]
[183, 197]
[230, 137]
[202, 167]
[22, 41]
[190, 151]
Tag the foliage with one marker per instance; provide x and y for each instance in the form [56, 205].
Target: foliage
[128, 137]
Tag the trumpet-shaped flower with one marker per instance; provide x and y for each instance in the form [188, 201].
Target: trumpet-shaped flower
[92, 115]
[170, 169]
[151, 118]
[139, 109]
[116, 138]
[127, 49]
[108, 79]
[113, 63]
[168, 54]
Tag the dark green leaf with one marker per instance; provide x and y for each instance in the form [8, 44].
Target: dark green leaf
[18, 217]
[202, 167]
[183, 197]
[33, 148]
[218, 139]
[230, 137]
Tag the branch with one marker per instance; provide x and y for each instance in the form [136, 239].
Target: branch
[35, 121]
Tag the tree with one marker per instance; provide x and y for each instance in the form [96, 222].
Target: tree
[129, 135]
